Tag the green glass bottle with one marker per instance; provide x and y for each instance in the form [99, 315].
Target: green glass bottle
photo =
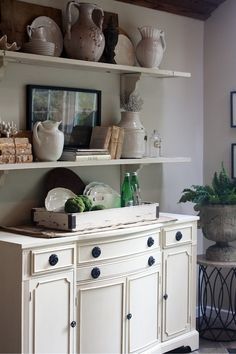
[126, 192]
[136, 188]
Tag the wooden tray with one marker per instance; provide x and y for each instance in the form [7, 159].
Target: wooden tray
[95, 219]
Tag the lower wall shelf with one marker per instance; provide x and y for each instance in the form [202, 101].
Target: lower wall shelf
[143, 161]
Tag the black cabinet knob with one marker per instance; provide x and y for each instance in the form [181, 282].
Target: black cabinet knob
[96, 252]
[73, 324]
[150, 242]
[129, 316]
[53, 259]
[165, 297]
[178, 236]
[151, 261]
[95, 273]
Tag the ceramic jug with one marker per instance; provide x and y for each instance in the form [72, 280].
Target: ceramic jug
[48, 140]
[150, 49]
[84, 40]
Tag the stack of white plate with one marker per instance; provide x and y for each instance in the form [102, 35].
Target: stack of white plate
[39, 47]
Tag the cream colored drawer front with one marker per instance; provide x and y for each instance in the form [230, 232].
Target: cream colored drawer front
[121, 267]
[49, 260]
[117, 248]
[177, 236]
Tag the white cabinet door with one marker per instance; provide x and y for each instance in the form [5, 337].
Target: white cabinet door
[176, 291]
[51, 312]
[101, 307]
[143, 315]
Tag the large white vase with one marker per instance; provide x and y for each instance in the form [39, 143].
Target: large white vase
[84, 40]
[150, 49]
[134, 144]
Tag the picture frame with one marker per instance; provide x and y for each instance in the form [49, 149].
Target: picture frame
[233, 109]
[79, 110]
[233, 160]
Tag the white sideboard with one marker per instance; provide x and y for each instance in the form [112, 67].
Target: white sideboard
[130, 290]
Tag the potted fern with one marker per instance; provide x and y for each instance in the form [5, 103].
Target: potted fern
[216, 204]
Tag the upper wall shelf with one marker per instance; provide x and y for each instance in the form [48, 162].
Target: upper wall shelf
[64, 63]
[143, 161]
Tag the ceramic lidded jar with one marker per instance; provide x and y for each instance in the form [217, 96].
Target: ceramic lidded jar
[84, 40]
[134, 136]
[150, 49]
[48, 140]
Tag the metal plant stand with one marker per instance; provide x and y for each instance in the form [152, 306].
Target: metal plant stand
[216, 300]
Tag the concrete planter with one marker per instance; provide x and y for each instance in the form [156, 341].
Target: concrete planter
[218, 223]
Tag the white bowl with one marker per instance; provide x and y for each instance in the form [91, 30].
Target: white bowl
[56, 198]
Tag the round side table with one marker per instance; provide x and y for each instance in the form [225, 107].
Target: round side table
[216, 300]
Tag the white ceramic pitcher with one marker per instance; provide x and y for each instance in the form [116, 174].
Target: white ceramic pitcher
[48, 140]
[37, 33]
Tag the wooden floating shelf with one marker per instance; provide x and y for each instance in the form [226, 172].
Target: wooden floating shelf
[56, 62]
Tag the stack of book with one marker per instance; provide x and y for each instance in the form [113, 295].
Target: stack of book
[105, 143]
[75, 154]
[110, 138]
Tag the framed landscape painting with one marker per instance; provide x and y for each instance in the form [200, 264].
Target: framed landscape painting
[78, 110]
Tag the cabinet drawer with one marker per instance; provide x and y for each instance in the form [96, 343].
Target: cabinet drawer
[91, 252]
[121, 267]
[177, 236]
[48, 260]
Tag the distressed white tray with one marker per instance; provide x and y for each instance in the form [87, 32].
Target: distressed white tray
[95, 219]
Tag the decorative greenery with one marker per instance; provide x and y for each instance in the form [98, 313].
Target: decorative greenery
[222, 191]
[132, 102]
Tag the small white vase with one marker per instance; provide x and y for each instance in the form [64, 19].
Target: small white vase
[134, 144]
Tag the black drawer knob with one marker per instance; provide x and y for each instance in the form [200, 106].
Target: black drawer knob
[178, 236]
[96, 252]
[150, 242]
[53, 259]
[151, 261]
[165, 297]
[95, 273]
[129, 316]
[73, 324]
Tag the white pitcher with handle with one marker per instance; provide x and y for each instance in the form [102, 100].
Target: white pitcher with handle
[150, 49]
[48, 140]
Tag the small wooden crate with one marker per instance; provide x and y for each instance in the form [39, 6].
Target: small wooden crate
[95, 219]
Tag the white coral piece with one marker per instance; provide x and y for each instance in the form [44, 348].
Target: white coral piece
[7, 129]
